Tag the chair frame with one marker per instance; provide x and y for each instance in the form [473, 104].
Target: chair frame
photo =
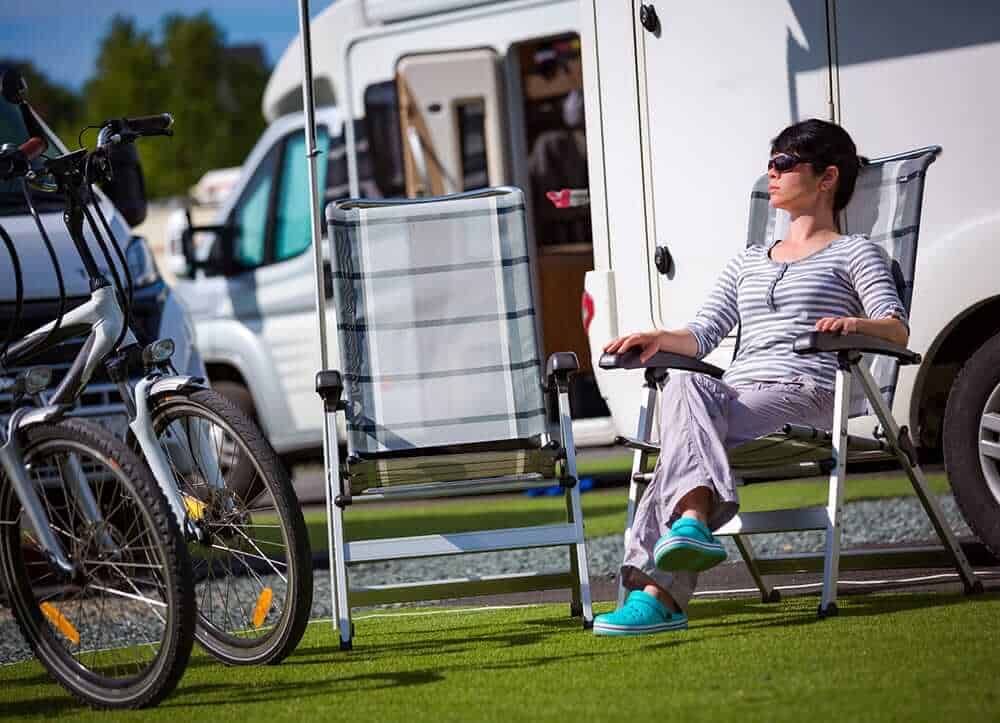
[559, 368]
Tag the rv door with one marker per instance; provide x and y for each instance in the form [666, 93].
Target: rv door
[715, 86]
[449, 110]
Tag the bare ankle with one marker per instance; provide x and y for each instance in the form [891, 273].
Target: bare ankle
[696, 504]
[695, 515]
[663, 596]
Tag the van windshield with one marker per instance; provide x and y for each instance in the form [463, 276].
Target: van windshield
[13, 130]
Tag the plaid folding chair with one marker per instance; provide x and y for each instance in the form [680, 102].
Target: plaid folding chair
[886, 207]
[442, 388]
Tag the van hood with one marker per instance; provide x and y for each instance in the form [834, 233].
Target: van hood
[36, 265]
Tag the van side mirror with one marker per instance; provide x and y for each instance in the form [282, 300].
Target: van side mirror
[127, 186]
[221, 258]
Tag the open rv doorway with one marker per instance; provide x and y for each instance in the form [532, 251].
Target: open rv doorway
[549, 152]
[466, 120]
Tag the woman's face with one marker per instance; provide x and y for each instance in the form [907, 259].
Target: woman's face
[799, 189]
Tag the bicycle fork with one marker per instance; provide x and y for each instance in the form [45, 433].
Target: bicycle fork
[140, 422]
[13, 466]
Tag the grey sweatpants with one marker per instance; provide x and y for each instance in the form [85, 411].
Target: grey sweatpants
[700, 418]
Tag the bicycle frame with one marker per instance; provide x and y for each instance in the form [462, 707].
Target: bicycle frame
[104, 321]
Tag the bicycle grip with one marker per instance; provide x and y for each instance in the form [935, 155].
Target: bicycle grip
[149, 124]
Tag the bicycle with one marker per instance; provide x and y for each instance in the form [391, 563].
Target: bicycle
[87, 541]
[228, 491]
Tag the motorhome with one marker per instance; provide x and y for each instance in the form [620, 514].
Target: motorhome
[682, 101]
[417, 98]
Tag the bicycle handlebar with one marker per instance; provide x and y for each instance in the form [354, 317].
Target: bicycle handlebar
[150, 124]
[145, 125]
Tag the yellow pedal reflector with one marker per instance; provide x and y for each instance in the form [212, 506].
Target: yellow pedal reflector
[60, 622]
[263, 606]
[195, 507]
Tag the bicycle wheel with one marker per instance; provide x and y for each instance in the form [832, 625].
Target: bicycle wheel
[119, 633]
[253, 565]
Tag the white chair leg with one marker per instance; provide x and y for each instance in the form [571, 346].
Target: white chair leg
[581, 569]
[643, 433]
[576, 606]
[835, 499]
[341, 593]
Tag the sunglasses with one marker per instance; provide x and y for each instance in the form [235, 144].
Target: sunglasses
[784, 162]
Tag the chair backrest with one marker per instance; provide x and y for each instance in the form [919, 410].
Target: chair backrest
[886, 208]
[436, 321]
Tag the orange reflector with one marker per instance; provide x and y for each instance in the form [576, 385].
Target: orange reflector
[263, 605]
[60, 622]
[195, 507]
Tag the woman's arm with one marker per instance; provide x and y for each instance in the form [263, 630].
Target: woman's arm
[714, 320]
[678, 341]
[891, 329]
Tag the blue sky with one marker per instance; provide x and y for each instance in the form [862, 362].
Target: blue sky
[61, 36]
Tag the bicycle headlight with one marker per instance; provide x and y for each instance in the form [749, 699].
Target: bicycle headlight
[159, 352]
[141, 263]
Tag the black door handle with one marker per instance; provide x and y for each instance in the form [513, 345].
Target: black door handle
[663, 261]
[649, 19]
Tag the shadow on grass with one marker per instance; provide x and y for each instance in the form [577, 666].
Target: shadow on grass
[230, 694]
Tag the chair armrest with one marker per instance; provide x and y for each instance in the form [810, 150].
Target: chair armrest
[330, 386]
[660, 360]
[559, 367]
[815, 342]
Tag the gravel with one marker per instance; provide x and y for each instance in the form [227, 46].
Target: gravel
[869, 522]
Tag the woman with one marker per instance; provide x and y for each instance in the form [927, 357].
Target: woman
[813, 279]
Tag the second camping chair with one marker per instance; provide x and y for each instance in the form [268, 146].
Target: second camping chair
[442, 389]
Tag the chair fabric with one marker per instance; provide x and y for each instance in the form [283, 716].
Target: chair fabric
[886, 208]
[436, 322]
[367, 475]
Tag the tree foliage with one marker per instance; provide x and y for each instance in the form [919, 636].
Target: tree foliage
[213, 93]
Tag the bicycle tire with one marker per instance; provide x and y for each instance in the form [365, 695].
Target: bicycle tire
[135, 493]
[286, 632]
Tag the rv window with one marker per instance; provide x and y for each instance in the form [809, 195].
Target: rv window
[292, 225]
[250, 215]
[383, 133]
[472, 141]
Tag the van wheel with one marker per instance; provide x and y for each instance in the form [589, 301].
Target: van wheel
[239, 395]
[972, 442]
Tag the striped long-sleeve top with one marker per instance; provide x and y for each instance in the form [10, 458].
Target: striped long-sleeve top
[777, 301]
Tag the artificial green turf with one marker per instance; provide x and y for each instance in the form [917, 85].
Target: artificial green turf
[909, 656]
[603, 509]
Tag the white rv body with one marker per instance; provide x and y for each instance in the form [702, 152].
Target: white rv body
[679, 126]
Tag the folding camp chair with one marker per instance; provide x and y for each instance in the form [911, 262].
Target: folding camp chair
[442, 388]
[886, 207]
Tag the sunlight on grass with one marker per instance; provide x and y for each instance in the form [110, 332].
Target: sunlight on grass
[908, 656]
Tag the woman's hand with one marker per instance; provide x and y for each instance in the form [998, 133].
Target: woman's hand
[839, 324]
[649, 342]
[889, 328]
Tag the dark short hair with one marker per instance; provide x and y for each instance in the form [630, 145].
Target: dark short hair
[822, 144]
